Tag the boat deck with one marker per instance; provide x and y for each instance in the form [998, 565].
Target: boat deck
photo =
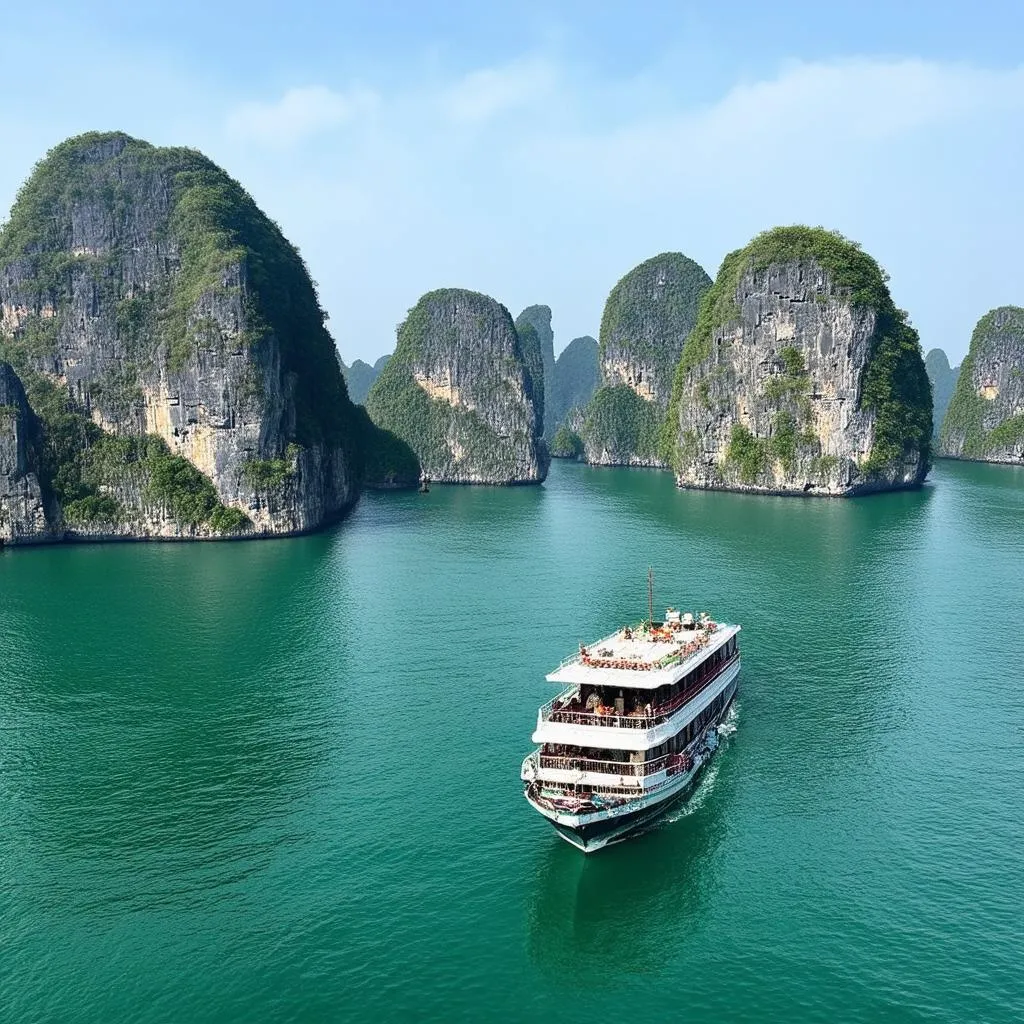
[643, 658]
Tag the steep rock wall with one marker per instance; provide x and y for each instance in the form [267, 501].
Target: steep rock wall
[26, 510]
[539, 318]
[458, 390]
[646, 320]
[533, 357]
[801, 376]
[985, 419]
[148, 303]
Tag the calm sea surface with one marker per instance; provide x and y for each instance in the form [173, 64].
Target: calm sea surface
[280, 780]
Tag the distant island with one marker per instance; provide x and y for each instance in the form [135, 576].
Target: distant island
[359, 377]
[577, 377]
[464, 389]
[166, 369]
[646, 320]
[985, 418]
[943, 378]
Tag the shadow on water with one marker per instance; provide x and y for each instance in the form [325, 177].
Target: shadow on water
[594, 917]
[746, 520]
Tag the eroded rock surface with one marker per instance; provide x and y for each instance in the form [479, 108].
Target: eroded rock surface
[985, 418]
[460, 392]
[26, 512]
[801, 376]
[647, 318]
[172, 344]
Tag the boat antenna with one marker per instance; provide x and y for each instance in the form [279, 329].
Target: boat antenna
[650, 595]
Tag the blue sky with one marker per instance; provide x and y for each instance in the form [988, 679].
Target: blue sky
[537, 152]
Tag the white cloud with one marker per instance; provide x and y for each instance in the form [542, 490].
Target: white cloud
[535, 182]
[809, 116]
[481, 95]
[298, 115]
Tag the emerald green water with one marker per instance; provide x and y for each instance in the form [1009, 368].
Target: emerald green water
[278, 781]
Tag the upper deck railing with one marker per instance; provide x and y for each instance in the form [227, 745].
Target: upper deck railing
[556, 710]
[688, 641]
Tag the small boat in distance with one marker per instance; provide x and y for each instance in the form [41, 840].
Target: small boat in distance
[634, 728]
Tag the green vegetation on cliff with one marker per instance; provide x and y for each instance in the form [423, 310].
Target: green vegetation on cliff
[965, 416]
[618, 421]
[457, 390]
[576, 377]
[399, 406]
[650, 311]
[386, 461]
[217, 240]
[896, 387]
[529, 342]
[270, 474]
[753, 455]
[86, 468]
[894, 384]
[1008, 433]
[566, 444]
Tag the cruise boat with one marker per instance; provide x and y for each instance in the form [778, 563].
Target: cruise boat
[636, 724]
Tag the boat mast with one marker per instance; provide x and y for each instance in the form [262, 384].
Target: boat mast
[650, 595]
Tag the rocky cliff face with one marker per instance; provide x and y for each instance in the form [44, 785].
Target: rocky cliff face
[943, 378]
[460, 392]
[985, 419]
[539, 318]
[646, 320]
[26, 510]
[801, 376]
[529, 344]
[173, 346]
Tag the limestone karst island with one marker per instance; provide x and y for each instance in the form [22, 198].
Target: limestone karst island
[645, 323]
[464, 389]
[801, 375]
[164, 366]
[166, 372]
[985, 418]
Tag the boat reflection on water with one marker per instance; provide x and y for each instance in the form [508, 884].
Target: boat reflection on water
[624, 908]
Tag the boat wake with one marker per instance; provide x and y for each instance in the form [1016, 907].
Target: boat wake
[706, 785]
[728, 727]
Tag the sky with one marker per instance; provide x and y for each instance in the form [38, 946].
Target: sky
[538, 151]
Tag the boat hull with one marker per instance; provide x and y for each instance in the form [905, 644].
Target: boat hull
[591, 832]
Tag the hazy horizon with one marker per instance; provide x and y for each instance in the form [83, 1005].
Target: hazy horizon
[538, 153]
